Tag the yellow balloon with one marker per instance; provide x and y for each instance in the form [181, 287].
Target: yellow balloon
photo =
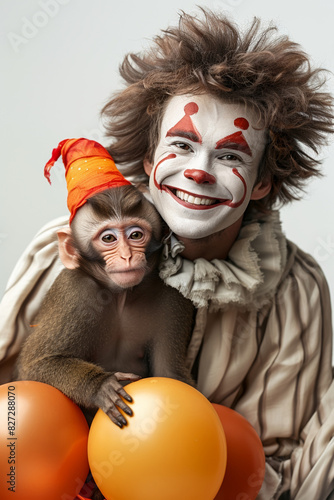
[173, 447]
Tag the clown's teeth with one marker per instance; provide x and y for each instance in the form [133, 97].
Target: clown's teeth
[191, 199]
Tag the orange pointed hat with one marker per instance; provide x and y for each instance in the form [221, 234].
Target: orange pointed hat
[89, 169]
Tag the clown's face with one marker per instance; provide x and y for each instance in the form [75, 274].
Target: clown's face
[205, 165]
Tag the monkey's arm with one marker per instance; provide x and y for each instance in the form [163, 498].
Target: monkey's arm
[170, 348]
[67, 337]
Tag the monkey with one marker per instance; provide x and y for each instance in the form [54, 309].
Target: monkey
[109, 319]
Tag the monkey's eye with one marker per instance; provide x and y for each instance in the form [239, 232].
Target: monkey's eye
[108, 236]
[136, 235]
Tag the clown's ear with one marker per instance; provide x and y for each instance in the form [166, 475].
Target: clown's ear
[67, 252]
[148, 166]
[261, 189]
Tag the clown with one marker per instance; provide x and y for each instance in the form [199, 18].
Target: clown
[221, 126]
[205, 165]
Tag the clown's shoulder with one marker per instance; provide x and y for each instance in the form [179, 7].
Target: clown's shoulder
[30, 280]
[259, 264]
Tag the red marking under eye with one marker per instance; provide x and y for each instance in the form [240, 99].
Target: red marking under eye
[169, 157]
[234, 141]
[238, 203]
[241, 123]
[185, 126]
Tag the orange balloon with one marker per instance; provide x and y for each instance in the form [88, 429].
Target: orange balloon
[172, 448]
[43, 443]
[245, 457]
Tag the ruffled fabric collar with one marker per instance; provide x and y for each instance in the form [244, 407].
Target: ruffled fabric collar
[249, 276]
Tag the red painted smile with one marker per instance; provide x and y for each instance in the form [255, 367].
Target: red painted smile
[192, 200]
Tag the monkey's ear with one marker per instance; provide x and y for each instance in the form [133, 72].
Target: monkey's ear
[67, 253]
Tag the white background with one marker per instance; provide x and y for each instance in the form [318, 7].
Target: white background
[59, 65]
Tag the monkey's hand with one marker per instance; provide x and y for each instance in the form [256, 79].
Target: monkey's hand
[110, 394]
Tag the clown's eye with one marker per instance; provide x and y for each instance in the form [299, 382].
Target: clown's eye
[229, 157]
[183, 145]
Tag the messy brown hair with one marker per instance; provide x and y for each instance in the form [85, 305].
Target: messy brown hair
[258, 68]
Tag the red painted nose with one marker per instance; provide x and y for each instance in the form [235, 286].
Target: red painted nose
[199, 176]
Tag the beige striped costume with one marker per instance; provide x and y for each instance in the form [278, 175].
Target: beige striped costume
[262, 343]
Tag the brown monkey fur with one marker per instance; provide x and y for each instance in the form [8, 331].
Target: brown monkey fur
[90, 330]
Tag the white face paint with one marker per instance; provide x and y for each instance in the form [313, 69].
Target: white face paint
[205, 164]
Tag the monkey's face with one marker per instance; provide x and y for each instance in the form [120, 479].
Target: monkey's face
[117, 245]
[122, 246]
[205, 166]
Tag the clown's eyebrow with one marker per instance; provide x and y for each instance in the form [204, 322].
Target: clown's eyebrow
[236, 142]
[186, 134]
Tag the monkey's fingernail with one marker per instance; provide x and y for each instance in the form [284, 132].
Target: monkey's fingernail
[128, 398]
[123, 421]
[128, 411]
